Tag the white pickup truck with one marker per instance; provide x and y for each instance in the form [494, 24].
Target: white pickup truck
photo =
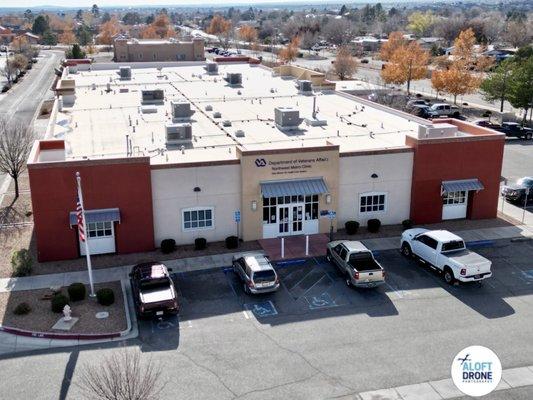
[447, 253]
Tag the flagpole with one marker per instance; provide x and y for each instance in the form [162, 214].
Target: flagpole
[86, 241]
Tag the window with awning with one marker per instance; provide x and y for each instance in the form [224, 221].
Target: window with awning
[94, 216]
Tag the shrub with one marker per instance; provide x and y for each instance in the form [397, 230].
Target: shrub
[373, 225]
[351, 227]
[168, 246]
[105, 296]
[22, 263]
[76, 291]
[407, 224]
[59, 301]
[200, 244]
[22, 309]
[232, 242]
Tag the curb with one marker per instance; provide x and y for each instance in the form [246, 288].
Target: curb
[76, 336]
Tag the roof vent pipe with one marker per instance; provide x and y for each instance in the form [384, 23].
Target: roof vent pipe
[314, 107]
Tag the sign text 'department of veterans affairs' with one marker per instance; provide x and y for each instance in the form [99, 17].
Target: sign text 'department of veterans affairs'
[295, 166]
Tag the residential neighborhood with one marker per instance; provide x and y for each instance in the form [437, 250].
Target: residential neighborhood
[264, 201]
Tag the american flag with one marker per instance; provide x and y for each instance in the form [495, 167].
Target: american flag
[79, 215]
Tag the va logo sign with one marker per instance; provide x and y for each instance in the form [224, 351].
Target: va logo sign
[260, 162]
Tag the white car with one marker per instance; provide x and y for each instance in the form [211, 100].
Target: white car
[445, 252]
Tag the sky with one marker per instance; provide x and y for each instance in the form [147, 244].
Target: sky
[125, 3]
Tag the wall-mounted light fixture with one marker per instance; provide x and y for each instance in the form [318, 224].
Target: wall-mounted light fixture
[254, 205]
[197, 189]
[374, 175]
[328, 199]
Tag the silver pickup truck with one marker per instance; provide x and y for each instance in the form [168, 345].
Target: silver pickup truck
[356, 262]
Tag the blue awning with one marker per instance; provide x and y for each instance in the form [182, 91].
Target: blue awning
[91, 216]
[462, 185]
[303, 187]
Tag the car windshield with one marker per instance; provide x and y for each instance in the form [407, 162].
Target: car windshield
[266, 275]
[453, 245]
[528, 182]
[362, 261]
[155, 284]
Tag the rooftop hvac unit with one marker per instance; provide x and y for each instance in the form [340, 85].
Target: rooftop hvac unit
[125, 73]
[148, 109]
[234, 78]
[287, 117]
[153, 96]
[217, 114]
[209, 107]
[178, 133]
[226, 123]
[437, 131]
[181, 109]
[211, 68]
[239, 133]
[305, 87]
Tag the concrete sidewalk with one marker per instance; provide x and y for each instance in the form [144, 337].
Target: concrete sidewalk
[445, 388]
[224, 260]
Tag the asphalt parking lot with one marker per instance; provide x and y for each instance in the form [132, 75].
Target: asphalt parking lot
[317, 338]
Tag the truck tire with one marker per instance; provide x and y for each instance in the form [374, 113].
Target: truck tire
[348, 281]
[328, 255]
[528, 136]
[406, 250]
[448, 276]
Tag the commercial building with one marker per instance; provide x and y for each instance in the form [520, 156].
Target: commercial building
[177, 150]
[149, 50]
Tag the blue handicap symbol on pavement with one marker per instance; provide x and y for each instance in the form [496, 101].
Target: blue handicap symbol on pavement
[322, 301]
[263, 309]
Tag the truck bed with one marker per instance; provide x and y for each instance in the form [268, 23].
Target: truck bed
[466, 257]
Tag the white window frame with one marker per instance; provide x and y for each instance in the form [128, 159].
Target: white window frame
[202, 228]
[458, 198]
[106, 226]
[370, 194]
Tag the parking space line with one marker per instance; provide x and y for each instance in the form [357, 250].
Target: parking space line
[245, 312]
[300, 281]
[394, 290]
[316, 283]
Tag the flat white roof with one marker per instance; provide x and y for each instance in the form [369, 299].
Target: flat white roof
[97, 124]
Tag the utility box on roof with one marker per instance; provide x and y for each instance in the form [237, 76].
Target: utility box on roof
[153, 96]
[287, 117]
[125, 73]
[178, 133]
[305, 87]
[181, 109]
[234, 78]
[211, 68]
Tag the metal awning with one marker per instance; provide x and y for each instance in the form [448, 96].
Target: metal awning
[303, 187]
[461, 185]
[102, 215]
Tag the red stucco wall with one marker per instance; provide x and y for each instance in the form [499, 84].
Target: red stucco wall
[123, 184]
[440, 160]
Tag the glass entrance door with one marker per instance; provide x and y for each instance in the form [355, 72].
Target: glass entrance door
[297, 219]
[283, 220]
[290, 219]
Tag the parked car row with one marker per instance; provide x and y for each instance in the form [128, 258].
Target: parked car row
[222, 52]
[424, 109]
[511, 129]
[519, 192]
[155, 295]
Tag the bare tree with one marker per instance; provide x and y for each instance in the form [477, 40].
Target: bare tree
[339, 31]
[345, 65]
[9, 70]
[121, 376]
[16, 141]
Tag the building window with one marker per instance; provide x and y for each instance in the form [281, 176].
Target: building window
[372, 202]
[454, 198]
[198, 218]
[99, 229]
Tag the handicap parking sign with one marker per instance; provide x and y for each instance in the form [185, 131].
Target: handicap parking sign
[263, 309]
[237, 216]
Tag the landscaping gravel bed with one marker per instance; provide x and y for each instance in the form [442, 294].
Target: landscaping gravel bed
[41, 318]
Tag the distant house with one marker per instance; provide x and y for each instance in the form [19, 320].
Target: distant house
[143, 50]
[368, 43]
[31, 38]
[427, 43]
[6, 35]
